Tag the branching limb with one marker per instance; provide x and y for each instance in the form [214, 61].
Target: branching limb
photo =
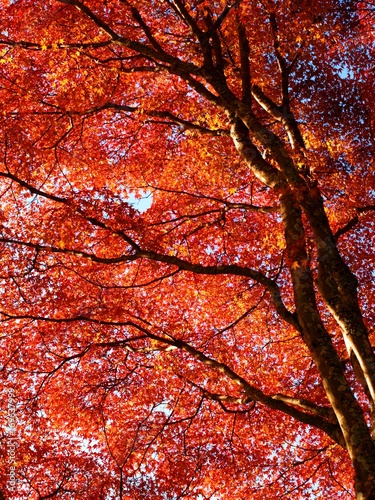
[354, 220]
[182, 12]
[138, 47]
[271, 285]
[251, 393]
[228, 204]
[220, 19]
[146, 29]
[323, 411]
[283, 66]
[172, 119]
[282, 115]
[232, 269]
[245, 62]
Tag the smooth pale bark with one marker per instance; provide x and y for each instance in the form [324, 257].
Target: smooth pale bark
[356, 433]
[338, 287]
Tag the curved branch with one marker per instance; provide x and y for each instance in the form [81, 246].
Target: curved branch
[282, 115]
[232, 269]
[251, 393]
[187, 125]
[220, 19]
[141, 48]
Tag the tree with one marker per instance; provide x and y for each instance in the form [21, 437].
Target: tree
[216, 343]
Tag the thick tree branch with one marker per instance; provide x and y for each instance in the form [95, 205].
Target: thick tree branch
[232, 269]
[173, 119]
[220, 19]
[318, 340]
[216, 45]
[151, 52]
[252, 393]
[182, 12]
[323, 411]
[282, 115]
[245, 62]
[263, 170]
[146, 29]
[283, 66]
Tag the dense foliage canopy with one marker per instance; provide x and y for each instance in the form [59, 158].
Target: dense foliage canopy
[187, 200]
